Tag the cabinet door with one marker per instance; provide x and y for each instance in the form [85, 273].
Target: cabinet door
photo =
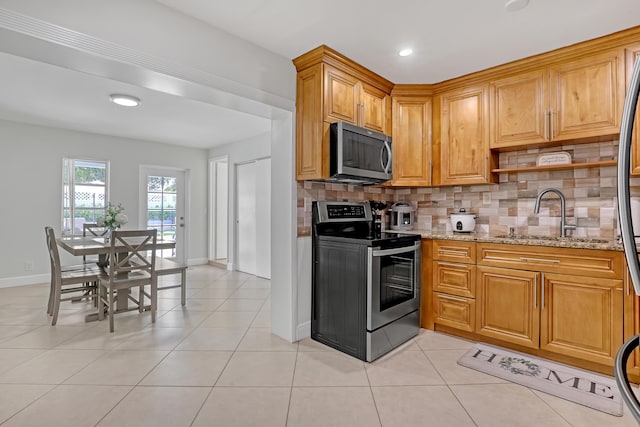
[342, 96]
[455, 312]
[507, 305]
[312, 154]
[374, 109]
[631, 326]
[587, 96]
[464, 124]
[581, 317]
[411, 141]
[454, 279]
[518, 110]
[632, 52]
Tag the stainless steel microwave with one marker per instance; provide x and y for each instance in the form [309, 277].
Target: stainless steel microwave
[358, 155]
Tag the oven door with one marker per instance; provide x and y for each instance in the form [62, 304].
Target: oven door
[393, 284]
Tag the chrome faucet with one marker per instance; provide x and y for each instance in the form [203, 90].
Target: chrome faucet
[563, 212]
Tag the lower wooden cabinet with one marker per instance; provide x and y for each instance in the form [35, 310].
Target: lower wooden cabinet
[574, 313]
[507, 305]
[581, 317]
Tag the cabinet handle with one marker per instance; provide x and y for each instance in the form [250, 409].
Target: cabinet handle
[542, 284]
[539, 260]
[486, 160]
[453, 298]
[535, 291]
[430, 172]
[551, 114]
[448, 251]
[546, 124]
[450, 264]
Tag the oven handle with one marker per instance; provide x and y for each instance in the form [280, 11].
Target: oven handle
[386, 252]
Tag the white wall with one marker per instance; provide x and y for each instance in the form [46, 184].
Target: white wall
[31, 193]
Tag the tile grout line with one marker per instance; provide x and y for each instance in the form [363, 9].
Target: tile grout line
[446, 383]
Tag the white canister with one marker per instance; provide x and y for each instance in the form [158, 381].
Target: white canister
[402, 216]
[463, 221]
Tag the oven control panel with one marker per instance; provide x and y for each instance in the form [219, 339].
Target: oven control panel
[334, 211]
[343, 211]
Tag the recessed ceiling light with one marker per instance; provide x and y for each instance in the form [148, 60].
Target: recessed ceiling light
[125, 100]
[405, 52]
[515, 5]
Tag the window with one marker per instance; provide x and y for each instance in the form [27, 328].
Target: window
[85, 185]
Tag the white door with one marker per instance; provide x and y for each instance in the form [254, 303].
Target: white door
[164, 207]
[253, 217]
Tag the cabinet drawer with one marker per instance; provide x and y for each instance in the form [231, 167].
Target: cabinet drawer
[455, 312]
[453, 251]
[454, 279]
[579, 262]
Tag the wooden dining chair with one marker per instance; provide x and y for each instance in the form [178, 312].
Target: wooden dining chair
[68, 279]
[132, 263]
[91, 229]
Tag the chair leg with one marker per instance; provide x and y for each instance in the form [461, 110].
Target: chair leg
[51, 291]
[140, 299]
[111, 313]
[154, 299]
[55, 304]
[100, 301]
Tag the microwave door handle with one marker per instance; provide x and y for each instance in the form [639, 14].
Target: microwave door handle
[386, 148]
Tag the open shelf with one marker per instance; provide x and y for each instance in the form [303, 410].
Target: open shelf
[558, 167]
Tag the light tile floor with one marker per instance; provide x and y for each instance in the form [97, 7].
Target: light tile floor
[215, 363]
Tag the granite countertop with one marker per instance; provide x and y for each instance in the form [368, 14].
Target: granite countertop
[550, 241]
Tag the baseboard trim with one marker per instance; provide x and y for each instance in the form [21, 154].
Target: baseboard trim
[9, 282]
[197, 261]
[303, 331]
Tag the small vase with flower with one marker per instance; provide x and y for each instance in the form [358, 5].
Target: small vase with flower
[113, 219]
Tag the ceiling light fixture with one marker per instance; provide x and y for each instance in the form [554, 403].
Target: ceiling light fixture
[515, 5]
[124, 100]
[405, 52]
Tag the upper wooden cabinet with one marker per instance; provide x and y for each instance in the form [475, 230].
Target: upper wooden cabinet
[332, 88]
[578, 99]
[632, 52]
[351, 100]
[411, 135]
[464, 155]
[312, 154]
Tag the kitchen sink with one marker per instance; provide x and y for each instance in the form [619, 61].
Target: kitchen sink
[551, 238]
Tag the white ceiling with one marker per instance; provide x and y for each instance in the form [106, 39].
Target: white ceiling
[449, 38]
[49, 95]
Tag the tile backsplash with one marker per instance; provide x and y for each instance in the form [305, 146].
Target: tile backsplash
[590, 195]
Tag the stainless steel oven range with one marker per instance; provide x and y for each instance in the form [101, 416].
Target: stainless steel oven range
[366, 285]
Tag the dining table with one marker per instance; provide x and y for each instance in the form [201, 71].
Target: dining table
[101, 246]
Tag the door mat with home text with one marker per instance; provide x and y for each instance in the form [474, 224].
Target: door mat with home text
[579, 386]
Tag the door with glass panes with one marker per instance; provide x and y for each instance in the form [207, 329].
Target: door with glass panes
[164, 208]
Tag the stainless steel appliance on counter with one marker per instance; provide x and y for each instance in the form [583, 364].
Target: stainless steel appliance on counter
[402, 216]
[626, 232]
[365, 285]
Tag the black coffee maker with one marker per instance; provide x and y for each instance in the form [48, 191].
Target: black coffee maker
[376, 210]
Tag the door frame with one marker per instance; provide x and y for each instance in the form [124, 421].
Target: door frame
[213, 208]
[142, 201]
